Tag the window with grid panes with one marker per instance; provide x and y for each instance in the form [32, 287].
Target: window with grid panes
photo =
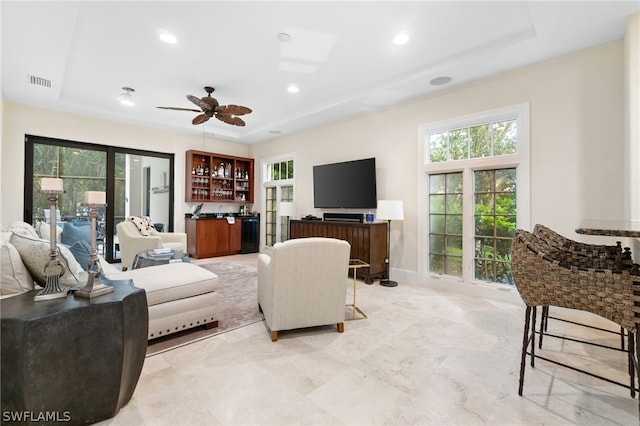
[278, 185]
[494, 224]
[445, 223]
[475, 169]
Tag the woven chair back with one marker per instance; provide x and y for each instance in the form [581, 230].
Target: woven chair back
[550, 276]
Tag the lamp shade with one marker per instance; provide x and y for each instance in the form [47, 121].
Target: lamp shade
[51, 185]
[390, 210]
[95, 197]
[287, 208]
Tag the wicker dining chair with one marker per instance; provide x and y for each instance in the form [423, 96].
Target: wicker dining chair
[594, 256]
[547, 276]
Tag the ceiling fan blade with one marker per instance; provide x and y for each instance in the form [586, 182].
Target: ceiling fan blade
[200, 119]
[203, 105]
[230, 119]
[179, 109]
[234, 109]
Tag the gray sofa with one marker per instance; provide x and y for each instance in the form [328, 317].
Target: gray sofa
[179, 295]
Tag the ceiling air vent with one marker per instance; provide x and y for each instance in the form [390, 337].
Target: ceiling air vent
[39, 81]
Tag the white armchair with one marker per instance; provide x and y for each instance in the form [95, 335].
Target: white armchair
[132, 242]
[304, 284]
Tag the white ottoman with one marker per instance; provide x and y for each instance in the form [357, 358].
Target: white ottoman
[179, 295]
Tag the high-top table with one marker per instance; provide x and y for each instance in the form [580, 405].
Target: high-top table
[613, 228]
[610, 228]
[72, 361]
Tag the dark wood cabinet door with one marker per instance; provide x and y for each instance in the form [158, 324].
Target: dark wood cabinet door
[213, 237]
[235, 236]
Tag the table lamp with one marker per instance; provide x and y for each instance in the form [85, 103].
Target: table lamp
[53, 270]
[389, 210]
[288, 210]
[94, 286]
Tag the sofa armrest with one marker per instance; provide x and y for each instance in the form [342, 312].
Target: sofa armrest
[135, 245]
[173, 237]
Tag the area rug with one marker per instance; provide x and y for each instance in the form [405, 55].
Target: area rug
[238, 306]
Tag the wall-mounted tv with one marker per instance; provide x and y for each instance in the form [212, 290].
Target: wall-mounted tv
[350, 184]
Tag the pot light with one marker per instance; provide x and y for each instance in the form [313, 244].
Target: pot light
[401, 38]
[283, 37]
[293, 88]
[126, 98]
[167, 37]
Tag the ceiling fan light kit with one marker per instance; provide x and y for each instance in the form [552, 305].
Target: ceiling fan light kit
[210, 107]
[126, 98]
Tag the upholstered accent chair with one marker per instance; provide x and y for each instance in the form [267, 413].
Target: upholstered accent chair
[132, 239]
[303, 283]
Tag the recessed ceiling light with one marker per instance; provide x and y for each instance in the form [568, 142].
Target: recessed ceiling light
[439, 81]
[401, 38]
[293, 88]
[283, 37]
[167, 37]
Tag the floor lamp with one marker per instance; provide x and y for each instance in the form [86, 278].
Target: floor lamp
[288, 209]
[389, 210]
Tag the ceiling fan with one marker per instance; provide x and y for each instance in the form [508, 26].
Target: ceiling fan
[209, 107]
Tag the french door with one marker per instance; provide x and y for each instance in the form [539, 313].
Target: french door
[136, 182]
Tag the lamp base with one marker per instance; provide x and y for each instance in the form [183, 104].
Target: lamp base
[94, 287]
[50, 295]
[388, 283]
[52, 289]
[96, 291]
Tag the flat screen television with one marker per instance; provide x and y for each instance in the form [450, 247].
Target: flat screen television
[350, 184]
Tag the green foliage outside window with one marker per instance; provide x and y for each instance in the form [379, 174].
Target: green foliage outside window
[280, 171]
[495, 224]
[445, 218]
[484, 140]
[81, 169]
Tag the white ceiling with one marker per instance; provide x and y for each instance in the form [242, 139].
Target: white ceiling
[340, 54]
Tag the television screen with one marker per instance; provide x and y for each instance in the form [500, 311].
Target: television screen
[351, 184]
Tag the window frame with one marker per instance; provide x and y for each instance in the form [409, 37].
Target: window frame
[111, 151]
[278, 184]
[520, 161]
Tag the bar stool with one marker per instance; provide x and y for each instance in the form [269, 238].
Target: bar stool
[545, 276]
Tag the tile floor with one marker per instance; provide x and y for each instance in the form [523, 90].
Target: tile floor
[424, 357]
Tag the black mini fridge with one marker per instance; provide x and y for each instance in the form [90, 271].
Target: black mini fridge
[250, 234]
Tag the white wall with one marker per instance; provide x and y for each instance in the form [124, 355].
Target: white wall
[19, 120]
[1, 159]
[632, 123]
[577, 144]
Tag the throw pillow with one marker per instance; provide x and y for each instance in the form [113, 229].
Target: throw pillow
[15, 278]
[143, 223]
[23, 228]
[81, 251]
[81, 231]
[44, 231]
[35, 255]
